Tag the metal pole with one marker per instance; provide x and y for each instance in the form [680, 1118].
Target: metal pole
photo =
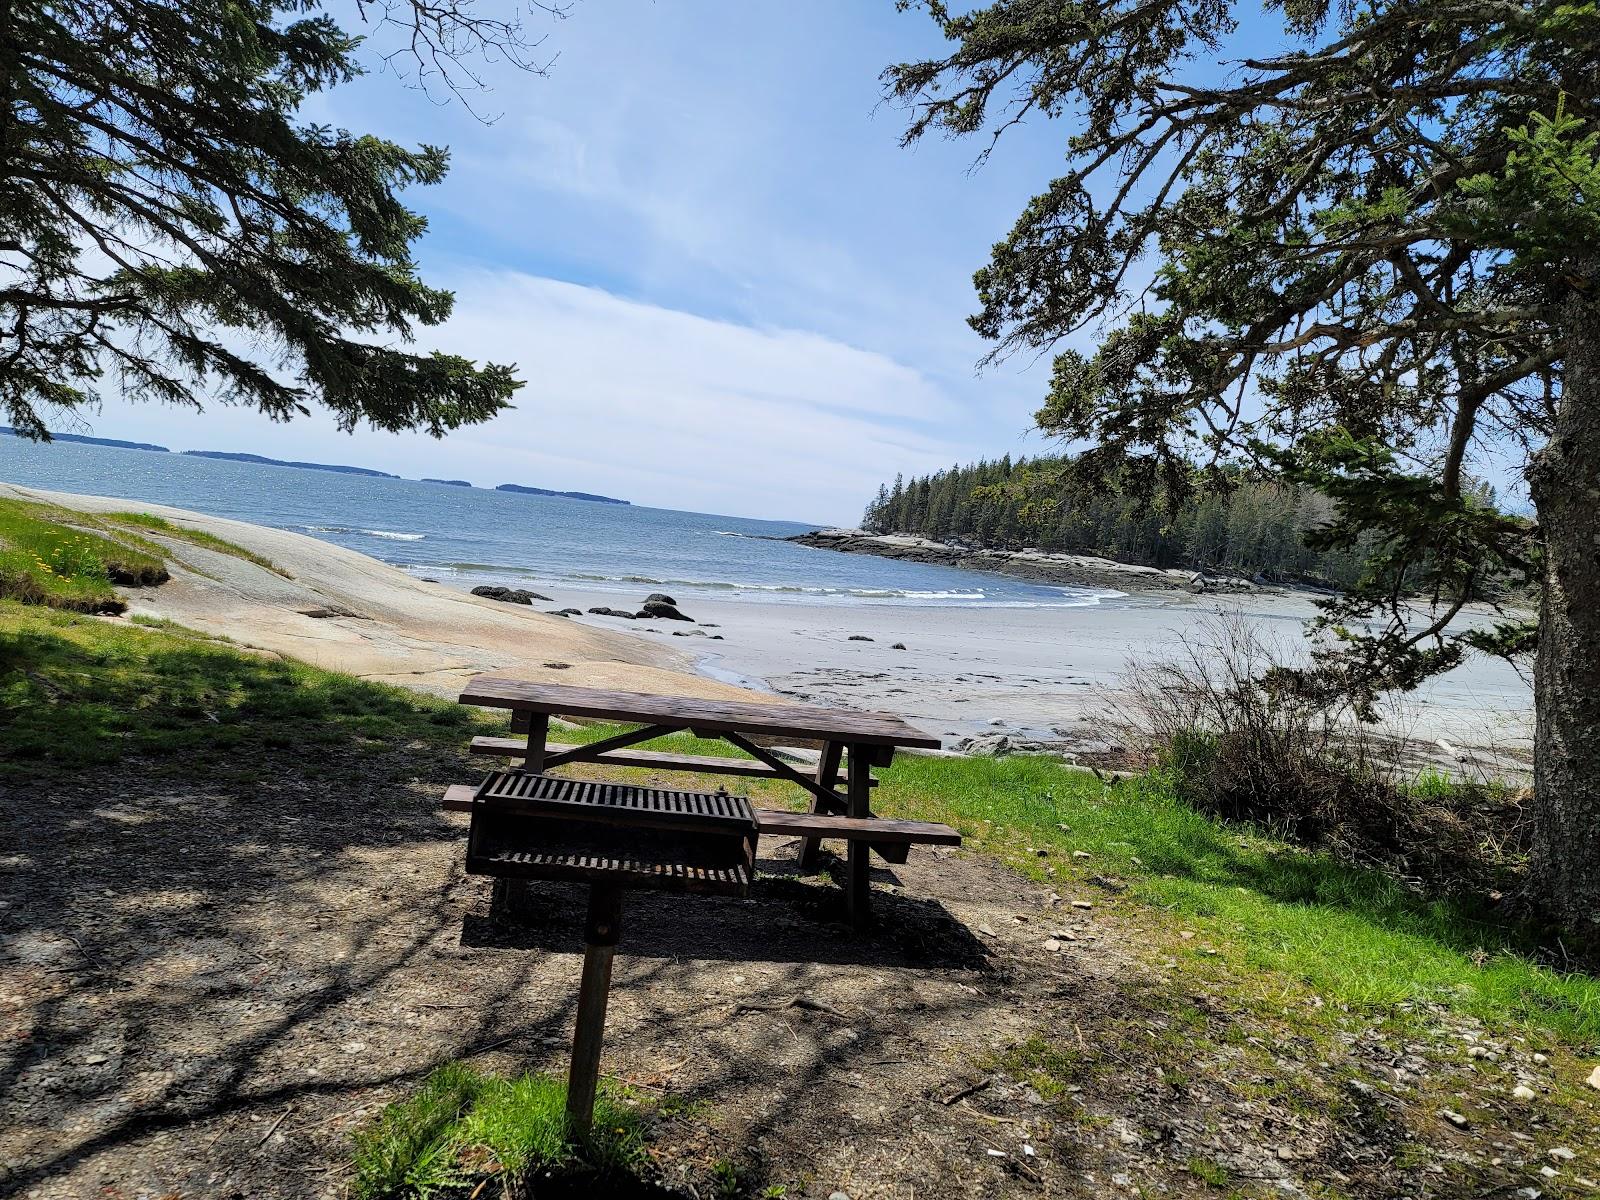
[600, 932]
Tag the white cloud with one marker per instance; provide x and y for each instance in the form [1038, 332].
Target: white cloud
[775, 324]
[651, 404]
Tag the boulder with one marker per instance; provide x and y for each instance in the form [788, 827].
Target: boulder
[859, 637]
[508, 595]
[663, 609]
[659, 597]
[992, 745]
[611, 612]
[570, 612]
[898, 646]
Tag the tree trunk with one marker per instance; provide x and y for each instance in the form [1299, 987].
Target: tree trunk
[1565, 483]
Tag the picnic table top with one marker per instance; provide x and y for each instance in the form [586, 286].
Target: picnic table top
[712, 716]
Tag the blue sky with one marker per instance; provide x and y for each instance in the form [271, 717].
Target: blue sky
[727, 287]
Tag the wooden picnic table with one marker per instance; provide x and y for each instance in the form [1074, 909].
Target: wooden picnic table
[851, 741]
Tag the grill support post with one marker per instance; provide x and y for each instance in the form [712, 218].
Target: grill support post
[600, 932]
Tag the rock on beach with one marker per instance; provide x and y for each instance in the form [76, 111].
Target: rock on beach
[508, 595]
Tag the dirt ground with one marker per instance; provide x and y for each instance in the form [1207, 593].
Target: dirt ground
[203, 992]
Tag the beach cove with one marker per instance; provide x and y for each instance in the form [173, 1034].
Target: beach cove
[979, 665]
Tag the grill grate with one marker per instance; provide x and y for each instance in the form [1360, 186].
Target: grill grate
[625, 868]
[540, 827]
[636, 806]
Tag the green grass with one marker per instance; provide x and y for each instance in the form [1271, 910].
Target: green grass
[1049, 1067]
[1209, 1172]
[45, 558]
[70, 560]
[462, 1126]
[1271, 912]
[79, 693]
[1355, 936]
[194, 537]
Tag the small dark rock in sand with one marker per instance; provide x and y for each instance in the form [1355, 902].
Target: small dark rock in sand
[557, 612]
[570, 612]
[898, 646]
[859, 637]
[611, 612]
[653, 597]
[508, 595]
[663, 609]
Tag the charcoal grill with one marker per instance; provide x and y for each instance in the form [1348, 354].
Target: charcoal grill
[610, 836]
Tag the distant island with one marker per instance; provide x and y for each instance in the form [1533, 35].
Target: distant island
[339, 468]
[533, 491]
[230, 456]
[94, 441]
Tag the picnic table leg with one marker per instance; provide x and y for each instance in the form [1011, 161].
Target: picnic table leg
[858, 867]
[538, 732]
[600, 933]
[827, 771]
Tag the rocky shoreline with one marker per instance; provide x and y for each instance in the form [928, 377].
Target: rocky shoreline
[1036, 566]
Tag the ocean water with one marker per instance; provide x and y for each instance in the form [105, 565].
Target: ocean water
[468, 536]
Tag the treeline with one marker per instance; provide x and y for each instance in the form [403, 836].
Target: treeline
[1249, 528]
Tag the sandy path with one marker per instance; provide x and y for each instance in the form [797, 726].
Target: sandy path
[379, 623]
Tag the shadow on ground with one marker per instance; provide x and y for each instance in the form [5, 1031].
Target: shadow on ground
[788, 918]
[211, 982]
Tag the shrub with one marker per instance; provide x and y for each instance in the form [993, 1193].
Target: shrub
[1235, 742]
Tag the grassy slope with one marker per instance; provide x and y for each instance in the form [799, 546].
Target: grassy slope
[73, 560]
[45, 560]
[195, 537]
[1354, 935]
[1306, 948]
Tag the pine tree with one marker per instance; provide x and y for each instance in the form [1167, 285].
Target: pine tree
[171, 218]
[1378, 250]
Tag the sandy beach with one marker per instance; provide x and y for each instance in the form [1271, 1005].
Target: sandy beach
[1035, 673]
[1040, 674]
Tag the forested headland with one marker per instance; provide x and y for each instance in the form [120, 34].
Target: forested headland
[1242, 526]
